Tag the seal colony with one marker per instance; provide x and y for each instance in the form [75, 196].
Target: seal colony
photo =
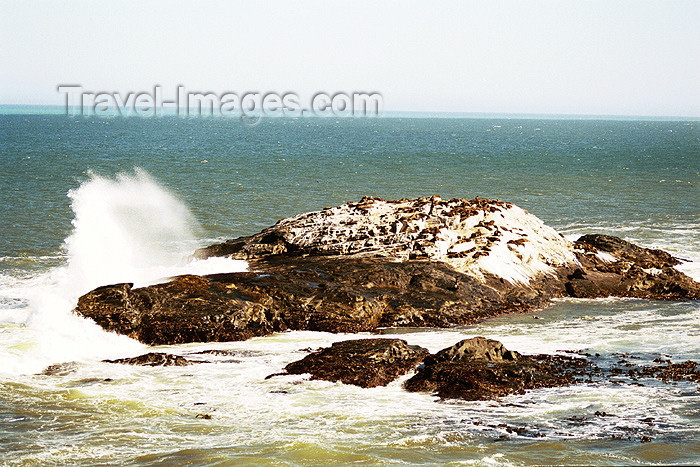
[374, 264]
[478, 237]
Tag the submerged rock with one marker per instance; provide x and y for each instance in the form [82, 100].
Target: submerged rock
[667, 371]
[154, 359]
[360, 266]
[60, 369]
[363, 362]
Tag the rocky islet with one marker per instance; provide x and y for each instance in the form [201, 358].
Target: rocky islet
[422, 262]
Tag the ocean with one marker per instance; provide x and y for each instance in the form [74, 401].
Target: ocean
[87, 201]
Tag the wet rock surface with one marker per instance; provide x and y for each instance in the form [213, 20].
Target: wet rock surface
[611, 266]
[476, 348]
[314, 294]
[363, 362]
[425, 262]
[481, 369]
[478, 368]
[154, 359]
[454, 373]
[186, 309]
[664, 370]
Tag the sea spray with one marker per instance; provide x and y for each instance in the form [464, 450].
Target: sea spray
[125, 229]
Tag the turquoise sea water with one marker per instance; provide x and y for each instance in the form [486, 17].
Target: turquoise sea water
[639, 179]
[238, 179]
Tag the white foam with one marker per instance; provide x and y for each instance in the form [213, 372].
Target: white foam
[691, 269]
[126, 229]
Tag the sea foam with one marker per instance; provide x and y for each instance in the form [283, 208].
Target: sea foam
[125, 229]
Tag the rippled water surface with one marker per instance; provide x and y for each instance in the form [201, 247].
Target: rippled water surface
[71, 222]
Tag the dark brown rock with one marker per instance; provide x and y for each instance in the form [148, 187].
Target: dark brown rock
[364, 362]
[481, 369]
[304, 293]
[476, 348]
[473, 369]
[668, 371]
[468, 370]
[614, 267]
[419, 263]
[626, 251]
[186, 309]
[154, 359]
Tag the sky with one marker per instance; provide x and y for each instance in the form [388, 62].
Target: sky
[524, 57]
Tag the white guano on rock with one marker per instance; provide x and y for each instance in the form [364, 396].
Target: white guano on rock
[474, 236]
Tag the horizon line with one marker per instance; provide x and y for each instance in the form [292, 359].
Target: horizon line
[383, 114]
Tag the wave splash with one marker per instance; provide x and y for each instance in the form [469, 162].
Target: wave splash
[125, 229]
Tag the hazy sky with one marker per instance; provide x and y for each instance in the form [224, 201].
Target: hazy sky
[564, 57]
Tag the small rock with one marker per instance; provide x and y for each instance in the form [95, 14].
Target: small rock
[363, 362]
[481, 369]
[154, 359]
[60, 369]
[476, 348]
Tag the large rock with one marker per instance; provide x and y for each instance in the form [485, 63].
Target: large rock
[360, 266]
[363, 362]
[312, 293]
[479, 237]
[186, 309]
